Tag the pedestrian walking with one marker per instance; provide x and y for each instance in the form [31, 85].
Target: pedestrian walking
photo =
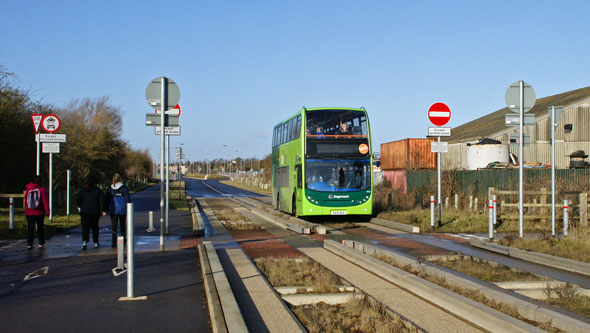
[36, 207]
[90, 202]
[117, 199]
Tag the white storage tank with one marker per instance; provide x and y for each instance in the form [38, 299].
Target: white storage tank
[485, 152]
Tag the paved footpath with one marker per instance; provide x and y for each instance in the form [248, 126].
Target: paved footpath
[79, 292]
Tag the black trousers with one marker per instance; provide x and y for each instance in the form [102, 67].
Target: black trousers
[117, 220]
[37, 220]
[90, 221]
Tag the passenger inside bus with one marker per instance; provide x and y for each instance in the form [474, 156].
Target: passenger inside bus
[315, 177]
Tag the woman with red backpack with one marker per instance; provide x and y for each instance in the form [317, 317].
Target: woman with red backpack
[117, 200]
[36, 207]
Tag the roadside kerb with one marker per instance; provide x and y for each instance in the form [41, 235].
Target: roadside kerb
[213, 302]
[528, 310]
[231, 311]
[198, 224]
[536, 257]
[396, 225]
[468, 309]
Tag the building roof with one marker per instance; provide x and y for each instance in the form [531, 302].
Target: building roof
[493, 123]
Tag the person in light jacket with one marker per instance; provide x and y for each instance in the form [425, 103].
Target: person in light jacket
[117, 199]
[36, 215]
[90, 201]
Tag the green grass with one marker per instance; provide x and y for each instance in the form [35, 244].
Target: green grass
[60, 224]
[177, 196]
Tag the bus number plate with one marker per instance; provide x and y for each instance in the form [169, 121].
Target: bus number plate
[338, 212]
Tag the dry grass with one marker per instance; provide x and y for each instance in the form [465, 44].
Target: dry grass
[473, 294]
[486, 271]
[306, 273]
[567, 297]
[576, 246]
[233, 220]
[452, 221]
[359, 315]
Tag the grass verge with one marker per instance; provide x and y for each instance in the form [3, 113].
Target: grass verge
[304, 273]
[567, 297]
[233, 220]
[254, 189]
[60, 224]
[576, 246]
[486, 271]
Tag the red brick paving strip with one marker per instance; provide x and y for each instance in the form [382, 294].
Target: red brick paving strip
[261, 243]
[189, 242]
[413, 248]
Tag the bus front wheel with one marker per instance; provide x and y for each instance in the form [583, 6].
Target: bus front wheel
[294, 207]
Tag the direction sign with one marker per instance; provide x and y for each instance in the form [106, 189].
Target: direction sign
[168, 130]
[36, 117]
[439, 114]
[558, 112]
[439, 147]
[439, 131]
[515, 139]
[51, 147]
[50, 123]
[153, 93]
[514, 119]
[513, 97]
[175, 111]
[152, 119]
[52, 137]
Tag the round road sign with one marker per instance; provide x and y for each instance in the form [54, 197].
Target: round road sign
[153, 93]
[50, 123]
[439, 114]
[513, 97]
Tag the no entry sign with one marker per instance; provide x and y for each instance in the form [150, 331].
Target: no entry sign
[439, 114]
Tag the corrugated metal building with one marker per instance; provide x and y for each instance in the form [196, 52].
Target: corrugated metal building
[398, 157]
[572, 134]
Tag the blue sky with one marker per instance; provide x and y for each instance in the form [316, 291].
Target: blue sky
[242, 66]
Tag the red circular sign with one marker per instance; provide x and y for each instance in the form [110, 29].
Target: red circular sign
[439, 114]
[50, 123]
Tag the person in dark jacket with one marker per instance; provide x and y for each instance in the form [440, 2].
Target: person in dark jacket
[117, 199]
[36, 215]
[90, 202]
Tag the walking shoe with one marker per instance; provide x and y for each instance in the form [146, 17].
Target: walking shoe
[96, 245]
[29, 247]
[84, 247]
[40, 246]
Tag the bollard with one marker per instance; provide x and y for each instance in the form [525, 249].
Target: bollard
[476, 203]
[491, 220]
[470, 202]
[130, 261]
[495, 209]
[11, 215]
[565, 217]
[120, 269]
[456, 201]
[151, 221]
[432, 212]
[446, 202]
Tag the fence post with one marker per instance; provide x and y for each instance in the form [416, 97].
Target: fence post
[491, 220]
[470, 202]
[542, 201]
[11, 215]
[456, 201]
[475, 204]
[583, 210]
[447, 203]
[565, 217]
[432, 213]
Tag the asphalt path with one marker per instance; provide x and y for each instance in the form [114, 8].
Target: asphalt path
[212, 188]
[75, 290]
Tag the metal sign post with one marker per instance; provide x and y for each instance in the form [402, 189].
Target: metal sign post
[68, 176]
[167, 180]
[130, 259]
[37, 117]
[555, 113]
[50, 187]
[439, 114]
[164, 101]
[520, 97]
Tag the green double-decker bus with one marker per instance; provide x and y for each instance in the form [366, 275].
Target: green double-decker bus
[322, 163]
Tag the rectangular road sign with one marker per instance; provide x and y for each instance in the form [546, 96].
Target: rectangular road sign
[514, 119]
[169, 130]
[152, 119]
[515, 139]
[45, 137]
[439, 147]
[50, 147]
[439, 131]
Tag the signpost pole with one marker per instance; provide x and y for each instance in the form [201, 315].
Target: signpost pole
[552, 171]
[38, 152]
[163, 104]
[50, 187]
[439, 199]
[167, 179]
[68, 176]
[521, 161]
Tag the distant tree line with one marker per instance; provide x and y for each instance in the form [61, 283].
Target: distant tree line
[94, 146]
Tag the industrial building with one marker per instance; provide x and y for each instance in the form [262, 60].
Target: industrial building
[572, 135]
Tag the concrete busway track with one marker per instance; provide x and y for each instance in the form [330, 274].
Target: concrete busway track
[413, 308]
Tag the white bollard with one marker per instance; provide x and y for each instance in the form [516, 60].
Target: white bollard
[491, 220]
[456, 201]
[130, 258]
[565, 217]
[432, 212]
[495, 209]
[151, 221]
[11, 215]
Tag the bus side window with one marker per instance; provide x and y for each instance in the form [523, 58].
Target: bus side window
[299, 176]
